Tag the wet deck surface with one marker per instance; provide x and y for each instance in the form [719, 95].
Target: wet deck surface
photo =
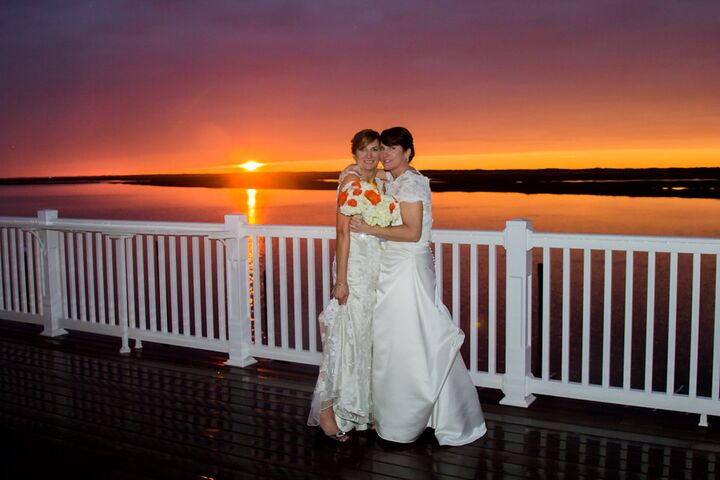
[73, 406]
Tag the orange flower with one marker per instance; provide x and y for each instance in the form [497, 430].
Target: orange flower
[352, 202]
[392, 207]
[342, 198]
[356, 184]
[357, 191]
[372, 196]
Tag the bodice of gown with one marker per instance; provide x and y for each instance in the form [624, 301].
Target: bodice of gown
[353, 170]
[412, 186]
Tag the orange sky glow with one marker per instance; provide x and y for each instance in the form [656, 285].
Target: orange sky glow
[184, 87]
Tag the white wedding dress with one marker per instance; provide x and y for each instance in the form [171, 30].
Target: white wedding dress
[419, 379]
[346, 332]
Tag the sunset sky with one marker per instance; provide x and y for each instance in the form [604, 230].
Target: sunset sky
[122, 87]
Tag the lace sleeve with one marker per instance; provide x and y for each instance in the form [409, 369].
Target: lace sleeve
[412, 188]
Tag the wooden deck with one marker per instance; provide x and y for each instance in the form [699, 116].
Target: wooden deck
[74, 406]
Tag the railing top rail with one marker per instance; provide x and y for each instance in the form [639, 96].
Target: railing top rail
[18, 222]
[479, 237]
[625, 242]
[300, 231]
[116, 226]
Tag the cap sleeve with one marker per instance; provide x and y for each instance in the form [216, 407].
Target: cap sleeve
[412, 189]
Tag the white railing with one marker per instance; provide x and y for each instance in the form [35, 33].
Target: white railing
[624, 319]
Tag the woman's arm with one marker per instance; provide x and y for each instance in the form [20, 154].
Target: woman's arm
[409, 231]
[340, 290]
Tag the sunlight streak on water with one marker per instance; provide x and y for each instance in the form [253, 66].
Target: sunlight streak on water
[251, 202]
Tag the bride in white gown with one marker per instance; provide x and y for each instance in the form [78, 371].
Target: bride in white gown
[419, 379]
[342, 401]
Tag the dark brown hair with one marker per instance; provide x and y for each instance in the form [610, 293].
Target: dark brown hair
[362, 139]
[398, 136]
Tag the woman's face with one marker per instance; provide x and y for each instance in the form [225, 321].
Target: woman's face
[394, 157]
[367, 158]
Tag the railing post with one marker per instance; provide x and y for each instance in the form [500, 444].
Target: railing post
[518, 274]
[122, 295]
[51, 274]
[238, 308]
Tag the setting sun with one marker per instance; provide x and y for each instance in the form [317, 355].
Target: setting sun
[250, 166]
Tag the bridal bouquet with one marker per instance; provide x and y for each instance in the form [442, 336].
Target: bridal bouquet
[363, 198]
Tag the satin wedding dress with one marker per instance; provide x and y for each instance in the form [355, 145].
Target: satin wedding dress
[346, 331]
[419, 379]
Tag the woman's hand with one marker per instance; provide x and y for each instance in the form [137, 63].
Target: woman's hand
[358, 225]
[341, 292]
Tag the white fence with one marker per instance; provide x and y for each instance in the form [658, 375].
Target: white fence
[623, 319]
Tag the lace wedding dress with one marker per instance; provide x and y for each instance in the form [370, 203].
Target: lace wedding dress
[419, 379]
[346, 332]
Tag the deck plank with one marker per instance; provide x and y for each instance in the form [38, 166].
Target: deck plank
[72, 405]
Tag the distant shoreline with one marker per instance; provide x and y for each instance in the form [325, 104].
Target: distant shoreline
[650, 182]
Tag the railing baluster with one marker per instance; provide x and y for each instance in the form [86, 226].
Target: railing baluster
[565, 373]
[607, 315]
[110, 279]
[312, 295]
[474, 322]
[672, 324]
[197, 296]
[82, 303]
[282, 258]
[716, 339]
[99, 257]
[14, 270]
[122, 284]
[694, 325]
[456, 283]
[297, 293]
[22, 270]
[627, 354]
[72, 278]
[174, 307]
[492, 309]
[90, 277]
[140, 268]
[547, 265]
[151, 283]
[650, 323]
[130, 282]
[184, 284]
[222, 297]
[587, 279]
[270, 290]
[207, 258]
[30, 249]
[4, 287]
[162, 285]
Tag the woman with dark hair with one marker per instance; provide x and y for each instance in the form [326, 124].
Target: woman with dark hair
[341, 401]
[419, 379]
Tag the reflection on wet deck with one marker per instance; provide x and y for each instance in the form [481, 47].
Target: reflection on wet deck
[73, 406]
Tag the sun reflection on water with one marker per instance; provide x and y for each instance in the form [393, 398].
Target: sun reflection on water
[251, 202]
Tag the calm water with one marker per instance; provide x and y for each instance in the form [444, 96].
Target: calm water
[452, 210]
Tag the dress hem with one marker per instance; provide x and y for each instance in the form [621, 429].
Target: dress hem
[481, 433]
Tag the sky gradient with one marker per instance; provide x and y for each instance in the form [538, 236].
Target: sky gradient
[109, 87]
